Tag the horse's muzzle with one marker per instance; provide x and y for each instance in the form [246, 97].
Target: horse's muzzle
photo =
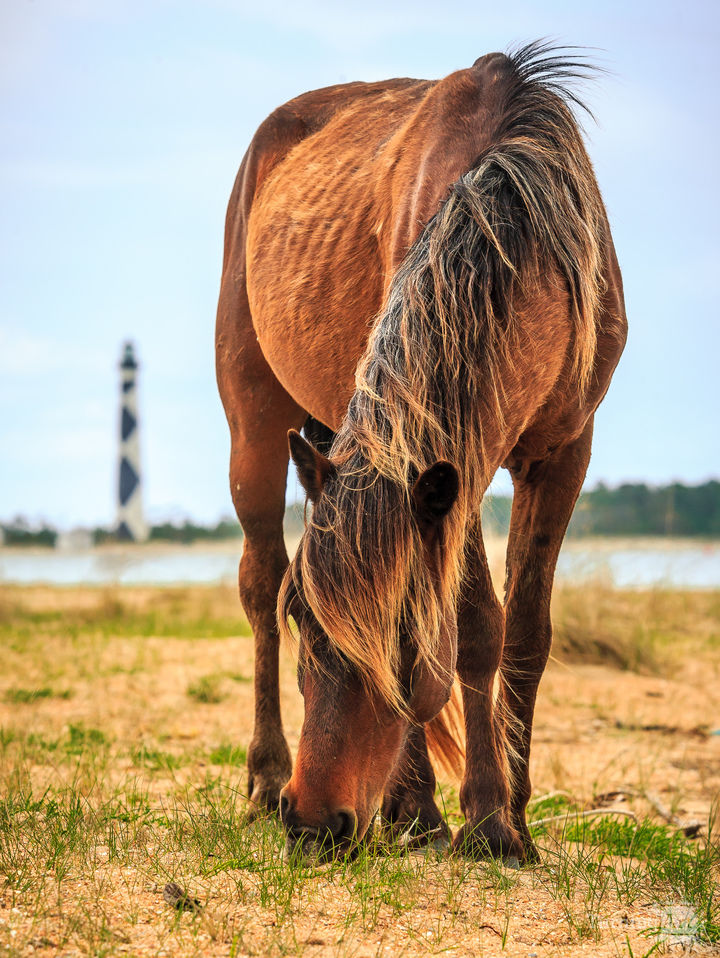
[335, 836]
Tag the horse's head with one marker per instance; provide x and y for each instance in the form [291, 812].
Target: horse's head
[362, 691]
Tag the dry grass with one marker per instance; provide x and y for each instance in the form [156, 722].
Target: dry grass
[653, 632]
[124, 716]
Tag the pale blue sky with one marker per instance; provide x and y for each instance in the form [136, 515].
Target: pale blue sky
[122, 125]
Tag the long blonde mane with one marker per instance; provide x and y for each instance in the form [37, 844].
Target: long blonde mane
[430, 380]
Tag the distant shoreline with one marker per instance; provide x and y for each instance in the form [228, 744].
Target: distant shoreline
[236, 544]
[227, 546]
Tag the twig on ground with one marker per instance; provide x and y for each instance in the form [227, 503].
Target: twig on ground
[558, 793]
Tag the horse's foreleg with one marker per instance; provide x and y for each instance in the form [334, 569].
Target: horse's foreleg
[258, 471]
[269, 764]
[485, 790]
[259, 414]
[545, 494]
[409, 800]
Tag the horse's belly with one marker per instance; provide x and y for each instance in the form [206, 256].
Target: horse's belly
[315, 280]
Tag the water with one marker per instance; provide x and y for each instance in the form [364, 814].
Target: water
[622, 563]
[641, 563]
[130, 565]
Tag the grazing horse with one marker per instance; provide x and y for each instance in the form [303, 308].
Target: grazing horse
[421, 274]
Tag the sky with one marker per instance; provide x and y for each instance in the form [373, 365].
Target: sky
[122, 125]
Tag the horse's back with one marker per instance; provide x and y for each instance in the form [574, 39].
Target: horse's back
[241, 356]
[343, 180]
[283, 129]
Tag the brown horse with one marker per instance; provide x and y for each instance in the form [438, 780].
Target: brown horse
[450, 237]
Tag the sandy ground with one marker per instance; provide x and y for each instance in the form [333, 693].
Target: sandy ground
[597, 731]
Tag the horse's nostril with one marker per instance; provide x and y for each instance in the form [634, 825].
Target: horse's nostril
[284, 808]
[343, 825]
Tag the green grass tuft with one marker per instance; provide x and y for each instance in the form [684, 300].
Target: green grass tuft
[81, 739]
[157, 760]
[228, 754]
[207, 689]
[19, 696]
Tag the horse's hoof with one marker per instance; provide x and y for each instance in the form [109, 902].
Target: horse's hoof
[530, 850]
[264, 797]
[269, 769]
[441, 844]
[414, 821]
[259, 809]
[490, 840]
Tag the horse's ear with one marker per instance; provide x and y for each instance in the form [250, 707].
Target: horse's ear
[435, 491]
[312, 467]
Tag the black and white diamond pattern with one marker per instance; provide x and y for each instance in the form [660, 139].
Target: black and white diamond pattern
[130, 521]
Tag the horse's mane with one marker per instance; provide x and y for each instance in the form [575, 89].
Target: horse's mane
[431, 376]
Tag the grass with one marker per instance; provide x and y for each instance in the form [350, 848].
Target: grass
[176, 612]
[49, 842]
[650, 632]
[228, 754]
[156, 759]
[20, 696]
[592, 860]
[207, 689]
[132, 781]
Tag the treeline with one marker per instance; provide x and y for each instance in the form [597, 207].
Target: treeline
[633, 509]
[19, 532]
[639, 510]
[182, 532]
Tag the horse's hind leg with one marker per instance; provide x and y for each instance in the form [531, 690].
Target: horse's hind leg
[485, 789]
[409, 800]
[545, 494]
[259, 414]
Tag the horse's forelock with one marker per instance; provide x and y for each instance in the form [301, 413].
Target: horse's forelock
[361, 577]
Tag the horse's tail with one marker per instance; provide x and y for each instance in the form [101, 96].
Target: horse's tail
[445, 736]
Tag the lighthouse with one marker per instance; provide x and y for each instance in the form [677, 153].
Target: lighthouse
[131, 525]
